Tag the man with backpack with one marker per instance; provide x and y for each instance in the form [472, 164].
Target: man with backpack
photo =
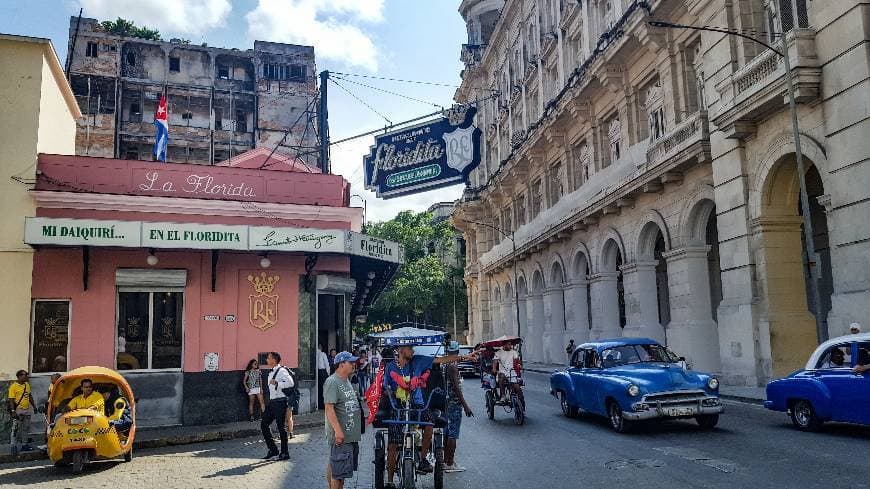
[20, 404]
[280, 387]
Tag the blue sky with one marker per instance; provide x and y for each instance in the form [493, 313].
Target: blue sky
[407, 39]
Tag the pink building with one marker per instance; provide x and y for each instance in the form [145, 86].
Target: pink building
[180, 274]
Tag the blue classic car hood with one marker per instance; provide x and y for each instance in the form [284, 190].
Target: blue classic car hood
[658, 377]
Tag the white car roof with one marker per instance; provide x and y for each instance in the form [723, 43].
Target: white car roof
[849, 338]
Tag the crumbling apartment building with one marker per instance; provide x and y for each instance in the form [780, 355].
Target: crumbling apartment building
[222, 102]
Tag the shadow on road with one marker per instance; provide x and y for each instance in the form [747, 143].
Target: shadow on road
[47, 472]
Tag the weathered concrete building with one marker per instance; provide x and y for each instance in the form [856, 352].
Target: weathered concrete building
[222, 102]
[647, 176]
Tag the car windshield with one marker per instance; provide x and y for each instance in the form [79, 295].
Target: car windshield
[626, 354]
[465, 351]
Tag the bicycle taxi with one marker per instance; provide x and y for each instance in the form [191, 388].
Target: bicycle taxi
[508, 395]
[405, 413]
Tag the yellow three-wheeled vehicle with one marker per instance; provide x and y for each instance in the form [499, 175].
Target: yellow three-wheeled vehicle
[75, 437]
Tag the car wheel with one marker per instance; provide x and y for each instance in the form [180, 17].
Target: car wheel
[617, 422]
[567, 409]
[804, 416]
[707, 421]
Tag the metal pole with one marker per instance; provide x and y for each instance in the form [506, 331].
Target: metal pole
[323, 123]
[812, 259]
[516, 284]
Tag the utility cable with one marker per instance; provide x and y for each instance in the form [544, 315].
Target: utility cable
[391, 93]
[360, 100]
[396, 79]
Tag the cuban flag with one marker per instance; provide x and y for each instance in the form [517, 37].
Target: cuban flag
[161, 122]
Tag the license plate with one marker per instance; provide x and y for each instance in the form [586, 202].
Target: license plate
[680, 411]
[78, 420]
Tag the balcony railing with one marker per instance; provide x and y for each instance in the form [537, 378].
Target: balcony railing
[757, 72]
[686, 133]
[471, 54]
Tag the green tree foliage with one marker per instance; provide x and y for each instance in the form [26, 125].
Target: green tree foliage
[425, 287]
[126, 28]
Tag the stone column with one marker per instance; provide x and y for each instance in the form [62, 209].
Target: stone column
[577, 312]
[533, 336]
[692, 333]
[484, 317]
[605, 306]
[641, 301]
[554, 318]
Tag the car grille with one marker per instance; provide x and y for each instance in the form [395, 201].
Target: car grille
[675, 397]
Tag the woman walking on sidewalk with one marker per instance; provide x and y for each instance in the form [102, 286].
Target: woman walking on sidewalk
[252, 383]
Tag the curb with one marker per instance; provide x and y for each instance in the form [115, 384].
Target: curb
[175, 440]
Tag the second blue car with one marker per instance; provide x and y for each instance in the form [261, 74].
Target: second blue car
[633, 379]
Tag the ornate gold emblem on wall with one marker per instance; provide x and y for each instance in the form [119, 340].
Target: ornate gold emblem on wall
[263, 304]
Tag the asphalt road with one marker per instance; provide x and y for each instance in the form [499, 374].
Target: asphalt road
[751, 448]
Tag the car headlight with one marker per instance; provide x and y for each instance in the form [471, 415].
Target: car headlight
[633, 390]
[713, 383]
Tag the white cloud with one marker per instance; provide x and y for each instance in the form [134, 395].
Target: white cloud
[331, 26]
[187, 17]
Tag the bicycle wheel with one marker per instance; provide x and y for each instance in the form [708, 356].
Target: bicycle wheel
[490, 405]
[519, 412]
[408, 481]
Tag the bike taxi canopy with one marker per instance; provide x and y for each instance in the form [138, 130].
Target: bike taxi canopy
[408, 336]
[501, 341]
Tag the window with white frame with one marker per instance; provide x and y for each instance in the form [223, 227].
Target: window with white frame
[150, 331]
[655, 111]
[583, 160]
[520, 209]
[614, 135]
[50, 328]
[557, 187]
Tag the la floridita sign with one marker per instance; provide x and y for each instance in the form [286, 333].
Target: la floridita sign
[426, 156]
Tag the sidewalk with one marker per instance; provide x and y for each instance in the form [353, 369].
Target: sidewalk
[752, 395]
[181, 435]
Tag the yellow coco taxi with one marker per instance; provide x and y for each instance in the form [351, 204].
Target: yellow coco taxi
[84, 428]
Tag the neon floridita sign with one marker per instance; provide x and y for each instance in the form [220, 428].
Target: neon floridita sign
[426, 156]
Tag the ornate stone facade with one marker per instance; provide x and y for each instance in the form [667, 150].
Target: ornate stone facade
[674, 213]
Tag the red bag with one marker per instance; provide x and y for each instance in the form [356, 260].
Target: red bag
[373, 394]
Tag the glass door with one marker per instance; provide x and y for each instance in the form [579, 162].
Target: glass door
[150, 330]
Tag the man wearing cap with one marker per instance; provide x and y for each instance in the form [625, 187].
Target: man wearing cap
[343, 421]
[854, 328]
[407, 376]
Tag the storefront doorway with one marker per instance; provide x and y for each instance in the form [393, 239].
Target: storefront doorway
[149, 348]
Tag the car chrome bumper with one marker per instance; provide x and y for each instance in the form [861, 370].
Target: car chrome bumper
[643, 411]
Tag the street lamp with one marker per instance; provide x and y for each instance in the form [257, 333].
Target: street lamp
[511, 237]
[365, 207]
[812, 259]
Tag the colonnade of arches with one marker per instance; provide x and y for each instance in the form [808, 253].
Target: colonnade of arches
[669, 286]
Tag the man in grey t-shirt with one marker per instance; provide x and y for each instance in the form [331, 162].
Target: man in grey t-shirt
[343, 421]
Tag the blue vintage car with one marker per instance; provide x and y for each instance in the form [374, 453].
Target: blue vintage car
[633, 379]
[833, 386]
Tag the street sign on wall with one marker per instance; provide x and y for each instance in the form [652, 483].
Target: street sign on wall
[426, 156]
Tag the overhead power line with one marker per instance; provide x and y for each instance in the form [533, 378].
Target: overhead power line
[390, 92]
[339, 85]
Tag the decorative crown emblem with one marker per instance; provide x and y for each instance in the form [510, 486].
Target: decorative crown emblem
[456, 115]
[263, 284]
